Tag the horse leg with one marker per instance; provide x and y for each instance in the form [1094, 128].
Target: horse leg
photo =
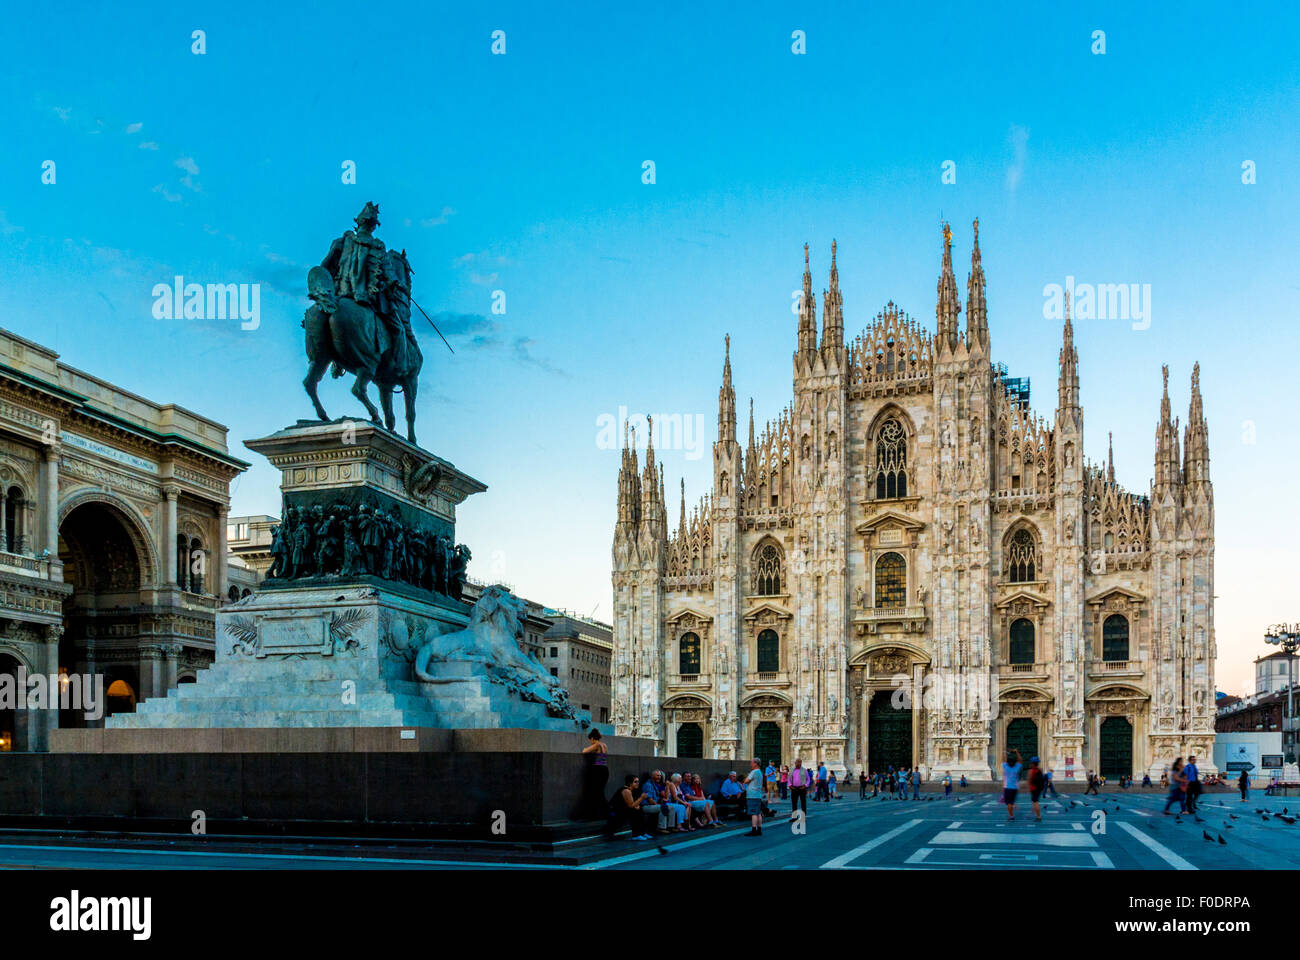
[408, 394]
[314, 374]
[361, 391]
[386, 401]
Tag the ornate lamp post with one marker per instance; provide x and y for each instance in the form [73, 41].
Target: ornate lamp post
[1287, 636]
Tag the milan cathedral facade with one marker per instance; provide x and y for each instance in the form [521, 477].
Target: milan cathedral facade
[907, 566]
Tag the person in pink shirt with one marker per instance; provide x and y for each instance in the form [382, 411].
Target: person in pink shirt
[799, 781]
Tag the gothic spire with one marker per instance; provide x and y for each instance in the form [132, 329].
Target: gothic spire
[1069, 365]
[947, 308]
[807, 310]
[727, 401]
[1168, 471]
[977, 320]
[1197, 442]
[833, 310]
[1110, 457]
[681, 524]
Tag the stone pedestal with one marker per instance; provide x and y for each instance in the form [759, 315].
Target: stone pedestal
[332, 644]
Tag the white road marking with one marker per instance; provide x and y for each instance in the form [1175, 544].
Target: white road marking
[1159, 849]
[954, 825]
[839, 862]
[971, 838]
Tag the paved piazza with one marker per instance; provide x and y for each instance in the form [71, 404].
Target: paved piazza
[970, 832]
[967, 832]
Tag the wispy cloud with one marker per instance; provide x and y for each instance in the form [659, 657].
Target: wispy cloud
[191, 172]
[1019, 141]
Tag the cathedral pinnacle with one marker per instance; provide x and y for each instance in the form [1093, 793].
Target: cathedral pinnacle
[948, 307]
[833, 310]
[807, 310]
[727, 400]
[977, 319]
[1069, 365]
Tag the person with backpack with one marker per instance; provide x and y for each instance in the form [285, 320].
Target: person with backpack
[1036, 782]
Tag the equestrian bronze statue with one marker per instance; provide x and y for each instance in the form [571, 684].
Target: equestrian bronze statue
[360, 321]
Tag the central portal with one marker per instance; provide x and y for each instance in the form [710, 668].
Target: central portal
[889, 734]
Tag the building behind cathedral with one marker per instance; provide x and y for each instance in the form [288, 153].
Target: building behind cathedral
[907, 566]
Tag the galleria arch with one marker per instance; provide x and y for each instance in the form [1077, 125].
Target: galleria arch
[99, 486]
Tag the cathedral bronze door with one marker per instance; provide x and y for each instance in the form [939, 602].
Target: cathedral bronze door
[889, 734]
[767, 743]
[690, 740]
[1022, 735]
[1116, 752]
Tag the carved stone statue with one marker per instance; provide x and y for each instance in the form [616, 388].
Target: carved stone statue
[495, 623]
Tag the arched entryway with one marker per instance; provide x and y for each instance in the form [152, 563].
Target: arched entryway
[690, 740]
[11, 736]
[1022, 736]
[1115, 751]
[767, 742]
[101, 550]
[889, 733]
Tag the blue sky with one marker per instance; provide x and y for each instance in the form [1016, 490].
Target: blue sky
[522, 173]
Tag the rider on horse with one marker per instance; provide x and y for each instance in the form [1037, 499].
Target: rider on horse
[364, 271]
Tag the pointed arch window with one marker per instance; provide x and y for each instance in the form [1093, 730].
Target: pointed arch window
[891, 581]
[768, 571]
[1022, 558]
[688, 654]
[891, 460]
[1114, 638]
[769, 652]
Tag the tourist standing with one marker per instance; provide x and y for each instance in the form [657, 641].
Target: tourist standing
[785, 781]
[947, 783]
[1243, 784]
[595, 775]
[798, 788]
[916, 783]
[771, 778]
[822, 774]
[862, 784]
[1193, 783]
[1011, 781]
[1048, 785]
[754, 798]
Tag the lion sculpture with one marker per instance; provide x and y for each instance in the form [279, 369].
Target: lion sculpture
[495, 626]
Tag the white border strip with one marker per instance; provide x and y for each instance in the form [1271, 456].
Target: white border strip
[839, 862]
[1159, 849]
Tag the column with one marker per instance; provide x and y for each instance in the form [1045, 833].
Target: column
[49, 721]
[170, 495]
[51, 532]
[918, 700]
[222, 572]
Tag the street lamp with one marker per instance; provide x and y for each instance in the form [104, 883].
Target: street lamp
[1287, 636]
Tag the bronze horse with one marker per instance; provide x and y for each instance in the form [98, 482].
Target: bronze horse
[341, 331]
